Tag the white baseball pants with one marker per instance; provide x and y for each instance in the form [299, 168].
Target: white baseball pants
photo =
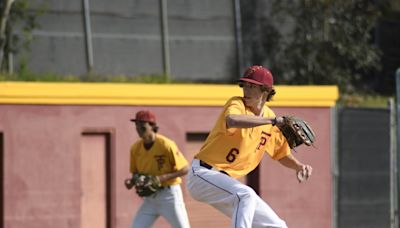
[231, 197]
[168, 203]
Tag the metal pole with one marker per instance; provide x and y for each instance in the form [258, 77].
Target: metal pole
[88, 35]
[238, 36]
[165, 38]
[397, 203]
[334, 167]
[393, 166]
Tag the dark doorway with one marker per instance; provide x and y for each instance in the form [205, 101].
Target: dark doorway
[1, 181]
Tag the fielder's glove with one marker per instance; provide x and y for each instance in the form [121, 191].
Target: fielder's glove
[296, 131]
[145, 185]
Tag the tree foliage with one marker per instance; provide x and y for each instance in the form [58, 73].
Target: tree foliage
[320, 42]
[19, 16]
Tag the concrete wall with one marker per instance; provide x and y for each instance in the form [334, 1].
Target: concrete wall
[126, 39]
[42, 161]
[307, 204]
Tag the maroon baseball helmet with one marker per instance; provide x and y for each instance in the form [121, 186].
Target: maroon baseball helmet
[145, 116]
[258, 75]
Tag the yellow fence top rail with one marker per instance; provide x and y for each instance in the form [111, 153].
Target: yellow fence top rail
[154, 94]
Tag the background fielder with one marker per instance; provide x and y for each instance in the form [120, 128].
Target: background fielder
[243, 133]
[158, 157]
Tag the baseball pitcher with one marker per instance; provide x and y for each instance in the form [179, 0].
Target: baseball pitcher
[246, 130]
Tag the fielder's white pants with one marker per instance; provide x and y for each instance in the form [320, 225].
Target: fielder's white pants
[168, 203]
[231, 197]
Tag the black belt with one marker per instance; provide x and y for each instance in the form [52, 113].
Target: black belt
[207, 166]
[165, 187]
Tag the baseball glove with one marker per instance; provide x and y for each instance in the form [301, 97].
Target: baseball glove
[296, 131]
[145, 185]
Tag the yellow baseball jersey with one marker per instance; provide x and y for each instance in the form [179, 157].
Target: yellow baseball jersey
[163, 157]
[238, 151]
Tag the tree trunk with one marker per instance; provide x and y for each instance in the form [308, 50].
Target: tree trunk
[3, 24]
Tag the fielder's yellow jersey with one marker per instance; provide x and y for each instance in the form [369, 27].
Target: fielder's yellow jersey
[163, 157]
[238, 151]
